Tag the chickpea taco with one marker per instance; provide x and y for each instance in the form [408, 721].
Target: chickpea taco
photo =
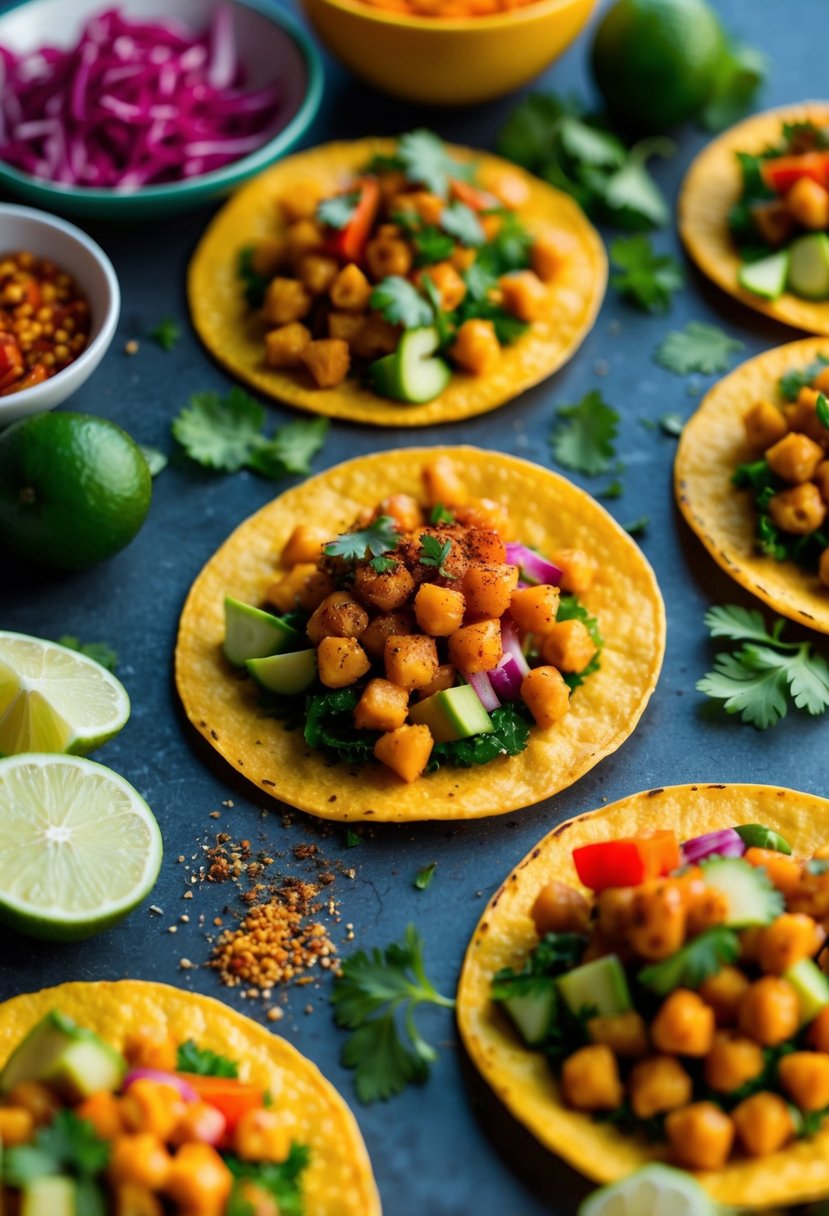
[651, 983]
[754, 213]
[396, 282]
[752, 478]
[136, 1098]
[421, 634]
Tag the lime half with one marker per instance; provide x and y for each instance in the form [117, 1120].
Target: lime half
[55, 700]
[653, 1190]
[79, 847]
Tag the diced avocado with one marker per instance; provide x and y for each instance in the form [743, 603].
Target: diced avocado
[758, 836]
[411, 373]
[454, 713]
[72, 1060]
[809, 266]
[752, 899]
[531, 1003]
[49, 1195]
[252, 634]
[811, 986]
[766, 277]
[288, 674]
[600, 986]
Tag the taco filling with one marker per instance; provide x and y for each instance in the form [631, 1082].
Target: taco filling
[780, 223]
[162, 1127]
[425, 635]
[408, 273]
[684, 997]
[789, 479]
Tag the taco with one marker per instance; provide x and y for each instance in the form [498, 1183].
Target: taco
[752, 478]
[396, 282]
[648, 983]
[754, 214]
[138, 1098]
[388, 641]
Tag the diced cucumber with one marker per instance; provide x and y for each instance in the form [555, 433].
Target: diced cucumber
[811, 986]
[72, 1060]
[288, 674]
[752, 899]
[758, 836]
[531, 1004]
[49, 1195]
[454, 713]
[809, 266]
[251, 633]
[412, 373]
[766, 277]
[600, 985]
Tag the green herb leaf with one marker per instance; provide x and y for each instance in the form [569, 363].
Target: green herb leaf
[584, 437]
[630, 194]
[570, 608]
[672, 424]
[647, 278]
[741, 625]
[591, 145]
[509, 738]
[699, 347]
[441, 515]
[434, 553]
[740, 73]
[255, 284]
[375, 997]
[431, 245]
[156, 460]
[203, 1062]
[822, 410]
[383, 565]
[379, 537]
[702, 957]
[101, 652]
[166, 334]
[427, 162]
[338, 210]
[400, 303]
[793, 381]
[637, 527]
[352, 839]
[68, 1145]
[329, 726]
[282, 1180]
[462, 223]
[614, 489]
[423, 878]
[291, 449]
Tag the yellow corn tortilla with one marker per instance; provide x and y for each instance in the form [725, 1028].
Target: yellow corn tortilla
[233, 333]
[548, 512]
[338, 1181]
[711, 446]
[522, 1078]
[711, 187]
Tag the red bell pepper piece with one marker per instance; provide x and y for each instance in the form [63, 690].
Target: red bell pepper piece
[781, 172]
[628, 861]
[233, 1098]
[349, 242]
[475, 199]
[11, 360]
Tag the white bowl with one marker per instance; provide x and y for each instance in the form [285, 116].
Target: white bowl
[23, 228]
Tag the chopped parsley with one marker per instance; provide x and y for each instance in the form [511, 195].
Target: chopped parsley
[462, 223]
[441, 515]
[166, 334]
[382, 565]
[435, 553]
[400, 303]
[68, 1145]
[584, 437]
[646, 278]
[379, 537]
[204, 1062]
[281, 1180]
[699, 347]
[700, 958]
[255, 284]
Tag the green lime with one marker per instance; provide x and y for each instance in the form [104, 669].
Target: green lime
[656, 61]
[74, 489]
[55, 700]
[79, 847]
[653, 1190]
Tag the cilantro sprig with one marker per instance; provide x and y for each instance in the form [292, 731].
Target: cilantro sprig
[68, 1145]
[766, 674]
[281, 1180]
[379, 537]
[647, 278]
[699, 347]
[204, 1062]
[338, 211]
[400, 303]
[101, 652]
[166, 334]
[376, 997]
[700, 958]
[435, 553]
[584, 435]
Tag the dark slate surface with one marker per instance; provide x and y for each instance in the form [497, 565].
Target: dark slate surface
[447, 1149]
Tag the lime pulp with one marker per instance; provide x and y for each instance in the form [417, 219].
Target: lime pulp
[653, 1190]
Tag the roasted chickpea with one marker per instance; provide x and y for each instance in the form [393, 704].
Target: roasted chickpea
[795, 457]
[658, 919]
[657, 1085]
[732, 1060]
[141, 1159]
[764, 425]
[800, 510]
[560, 908]
[804, 1075]
[764, 1123]
[624, 1033]
[684, 1025]
[723, 992]
[788, 939]
[590, 1079]
[615, 912]
[700, 1136]
[769, 1011]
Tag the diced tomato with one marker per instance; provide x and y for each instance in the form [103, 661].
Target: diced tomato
[349, 242]
[35, 375]
[233, 1098]
[11, 360]
[477, 200]
[626, 862]
[781, 172]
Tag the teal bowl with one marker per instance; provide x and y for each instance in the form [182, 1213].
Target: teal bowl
[270, 44]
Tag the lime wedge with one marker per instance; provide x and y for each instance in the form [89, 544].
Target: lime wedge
[79, 847]
[55, 700]
[653, 1190]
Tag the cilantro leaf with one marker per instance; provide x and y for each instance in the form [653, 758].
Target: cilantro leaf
[637, 527]
[431, 245]
[203, 1062]
[589, 144]
[700, 958]
[423, 878]
[101, 652]
[647, 278]
[462, 223]
[156, 460]
[441, 514]
[433, 552]
[290, 449]
[166, 334]
[584, 437]
[699, 347]
[614, 489]
[382, 565]
[740, 624]
[380, 536]
[375, 997]
[793, 381]
[338, 211]
[426, 161]
[281, 1180]
[255, 284]
[400, 303]
[672, 424]
[740, 73]
[630, 195]
[68, 1145]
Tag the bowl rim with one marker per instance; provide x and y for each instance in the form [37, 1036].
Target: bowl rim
[230, 174]
[525, 15]
[97, 347]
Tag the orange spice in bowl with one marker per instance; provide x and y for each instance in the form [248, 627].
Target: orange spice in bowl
[44, 321]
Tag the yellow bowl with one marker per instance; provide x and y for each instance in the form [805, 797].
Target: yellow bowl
[456, 61]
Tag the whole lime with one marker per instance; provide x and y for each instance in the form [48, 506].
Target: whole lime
[656, 61]
[74, 489]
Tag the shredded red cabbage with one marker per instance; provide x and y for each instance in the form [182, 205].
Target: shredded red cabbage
[133, 103]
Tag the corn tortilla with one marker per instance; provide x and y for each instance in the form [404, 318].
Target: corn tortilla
[548, 512]
[711, 446]
[711, 187]
[233, 333]
[338, 1181]
[522, 1078]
